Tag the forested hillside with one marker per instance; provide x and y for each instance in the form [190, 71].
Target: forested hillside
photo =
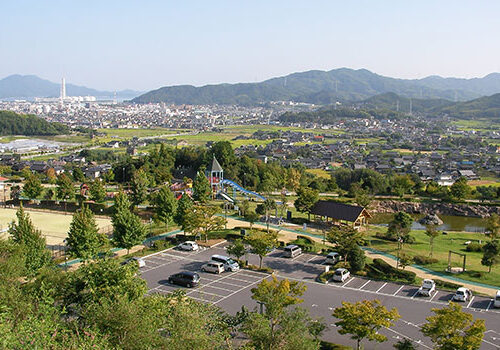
[17, 124]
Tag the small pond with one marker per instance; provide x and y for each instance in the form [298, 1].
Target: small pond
[450, 223]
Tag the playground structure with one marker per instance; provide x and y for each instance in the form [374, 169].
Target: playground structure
[219, 185]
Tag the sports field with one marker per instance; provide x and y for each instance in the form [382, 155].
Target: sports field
[53, 226]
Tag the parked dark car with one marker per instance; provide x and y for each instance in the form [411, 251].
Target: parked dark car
[187, 279]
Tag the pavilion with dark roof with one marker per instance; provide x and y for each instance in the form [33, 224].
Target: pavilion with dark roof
[340, 213]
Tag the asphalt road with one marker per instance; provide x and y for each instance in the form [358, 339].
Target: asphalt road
[231, 290]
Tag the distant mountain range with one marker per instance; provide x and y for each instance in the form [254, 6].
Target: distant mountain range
[482, 107]
[30, 86]
[326, 87]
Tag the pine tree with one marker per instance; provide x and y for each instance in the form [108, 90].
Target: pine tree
[166, 205]
[201, 188]
[65, 188]
[128, 229]
[185, 203]
[33, 243]
[97, 191]
[84, 240]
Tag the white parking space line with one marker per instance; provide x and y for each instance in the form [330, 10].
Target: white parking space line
[178, 258]
[435, 293]
[378, 290]
[489, 305]
[414, 294]
[470, 302]
[201, 291]
[345, 284]
[224, 298]
[314, 257]
[364, 284]
[396, 292]
[419, 342]
[227, 290]
[230, 284]
[241, 279]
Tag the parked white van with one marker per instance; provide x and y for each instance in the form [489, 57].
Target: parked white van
[292, 250]
[229, 264]
[496, 303]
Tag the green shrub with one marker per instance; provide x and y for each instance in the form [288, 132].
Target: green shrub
[474, 247]
[379, 269]
[324, 345]
[325, 276]
[424, 260]
[446, 284]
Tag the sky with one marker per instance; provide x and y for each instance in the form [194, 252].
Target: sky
[143, 45]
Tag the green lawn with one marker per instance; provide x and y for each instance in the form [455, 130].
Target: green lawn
[442, 244]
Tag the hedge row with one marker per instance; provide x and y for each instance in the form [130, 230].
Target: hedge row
[379, 269]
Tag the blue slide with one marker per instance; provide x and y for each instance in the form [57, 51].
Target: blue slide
[241, 189]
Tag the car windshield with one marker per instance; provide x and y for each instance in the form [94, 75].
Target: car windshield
[459, 292]
[338, 273]
[230, 261]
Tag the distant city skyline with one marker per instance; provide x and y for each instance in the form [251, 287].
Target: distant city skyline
[115, 45]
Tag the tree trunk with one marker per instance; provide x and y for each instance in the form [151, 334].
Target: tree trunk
[358, 345]
[260, 263]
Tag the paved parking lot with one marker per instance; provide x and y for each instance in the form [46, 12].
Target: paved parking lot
[231, 290]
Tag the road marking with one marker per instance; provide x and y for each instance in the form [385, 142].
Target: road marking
[489, 305]
[419, 342]
[435, 293]
[224, 289]
[396, 292]
[364, 284]
[378, 290]
[229, 295]
[345, 284]
[314, 257]
[470, 302]
[414, 294]
[203, 292]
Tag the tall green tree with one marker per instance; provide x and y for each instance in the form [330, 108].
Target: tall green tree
[451, 328]
[65, 188]
[183, 206]
[97, 191]
[78, 175]
[139, 187]
[345, 239]
[252, 217]
[201, 220]
[128, 230]
[306, 200]
[237, 249]
[460, 189]
[165, 205]
[84, 239]
[431, 232]
[262, 242]
[400, 227]
[363, 319]
[491, 254]
[493, 226]
[32, 242]
[201, 188]
[279, 326]
[33, 187]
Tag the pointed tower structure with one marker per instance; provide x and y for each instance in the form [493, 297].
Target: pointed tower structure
[216, 175]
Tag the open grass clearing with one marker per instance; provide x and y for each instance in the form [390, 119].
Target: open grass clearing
[442, 245]
[54, 226]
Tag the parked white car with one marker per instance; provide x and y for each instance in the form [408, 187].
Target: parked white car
[496, 302]
[213, 267]
[462, 294]
[340, 275]
[428, 288]
[189, 246]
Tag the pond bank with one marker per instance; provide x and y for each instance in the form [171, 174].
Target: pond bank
[443, 208]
